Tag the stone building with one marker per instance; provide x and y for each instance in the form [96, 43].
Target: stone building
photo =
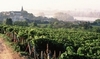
[17, 15]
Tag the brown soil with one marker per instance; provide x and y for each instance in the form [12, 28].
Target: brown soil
[7, 52]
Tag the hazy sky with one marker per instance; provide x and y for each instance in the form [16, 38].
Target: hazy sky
[29, 5]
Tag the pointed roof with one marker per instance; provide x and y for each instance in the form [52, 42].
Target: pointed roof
[22, 9]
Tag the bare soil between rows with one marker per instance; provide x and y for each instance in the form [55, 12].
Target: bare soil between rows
[6, 52]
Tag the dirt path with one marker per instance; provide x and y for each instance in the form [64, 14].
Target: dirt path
[6, 52]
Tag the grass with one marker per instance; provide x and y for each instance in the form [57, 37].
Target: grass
[8, 42]
[13, 46]
[6, 39]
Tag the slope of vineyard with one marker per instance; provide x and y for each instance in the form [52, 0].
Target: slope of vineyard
[73, 44]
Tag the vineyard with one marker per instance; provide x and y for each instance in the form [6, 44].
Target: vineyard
[47, 43]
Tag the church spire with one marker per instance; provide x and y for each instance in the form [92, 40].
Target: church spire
[22, 9]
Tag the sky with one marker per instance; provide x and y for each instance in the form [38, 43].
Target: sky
[31, 5]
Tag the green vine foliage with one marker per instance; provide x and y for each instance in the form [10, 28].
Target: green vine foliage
[73, 44]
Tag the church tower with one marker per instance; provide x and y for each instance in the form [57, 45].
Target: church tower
[22, 9]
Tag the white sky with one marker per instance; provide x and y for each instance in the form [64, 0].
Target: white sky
[29, 5]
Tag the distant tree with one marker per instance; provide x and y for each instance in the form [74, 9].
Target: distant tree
[8, 21]
[85, 25]
[21, 23]
[25, 23]
[97, 21]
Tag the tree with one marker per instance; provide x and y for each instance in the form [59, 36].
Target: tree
[21, 23]
[8, 21]
[96, 22]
